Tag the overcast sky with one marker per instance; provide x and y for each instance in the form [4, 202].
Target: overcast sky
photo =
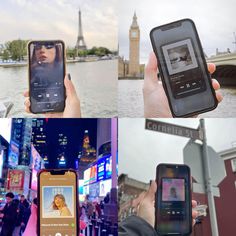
[58, 19]
[140, 150]
[215, 21]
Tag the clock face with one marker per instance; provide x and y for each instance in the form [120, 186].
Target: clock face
[134, 34]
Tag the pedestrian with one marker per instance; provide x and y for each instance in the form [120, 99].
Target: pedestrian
[107, 198]
[19, 217]
[26, 212]
[9, 216]
[23, 201]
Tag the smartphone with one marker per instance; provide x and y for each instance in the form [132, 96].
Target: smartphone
[183, 69]
[46, 76]
[173, 211]
[58, 203]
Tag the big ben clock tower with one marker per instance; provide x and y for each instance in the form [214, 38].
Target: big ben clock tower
[134, 40]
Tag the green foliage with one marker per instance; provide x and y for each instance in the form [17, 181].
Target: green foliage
[16, 49]
[82, 53]
[101, 51]
[70, 52]
[5, 55]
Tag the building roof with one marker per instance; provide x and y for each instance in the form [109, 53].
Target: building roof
[134, 23]
[228, 153]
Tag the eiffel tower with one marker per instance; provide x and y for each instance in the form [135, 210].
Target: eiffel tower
[80, 44]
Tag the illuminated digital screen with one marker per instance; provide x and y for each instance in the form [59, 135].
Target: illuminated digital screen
[13, 155]
[34, 180]
[104, 187]
[90, 175]
[81, 186]
[93, 174]
[94, 190]
[108, 167]
[36, 160]
[101, 169]
[1, 161]
[86, 190]
[87, 176]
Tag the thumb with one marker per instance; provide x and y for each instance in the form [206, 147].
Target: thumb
[151, 69]
[150, 195]
[70, 89]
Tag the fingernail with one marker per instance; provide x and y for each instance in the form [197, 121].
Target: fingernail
[69, 77]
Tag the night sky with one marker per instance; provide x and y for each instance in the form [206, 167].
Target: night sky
[74, 130]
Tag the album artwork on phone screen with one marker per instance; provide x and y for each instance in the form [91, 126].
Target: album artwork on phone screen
[185, 75]
[173, 189]
[58, 202]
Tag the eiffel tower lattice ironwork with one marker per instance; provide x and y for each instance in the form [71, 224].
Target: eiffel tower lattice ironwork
[80, 44]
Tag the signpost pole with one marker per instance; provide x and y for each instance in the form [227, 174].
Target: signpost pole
[207, 174]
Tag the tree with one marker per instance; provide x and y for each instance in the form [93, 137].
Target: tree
[92, 51]
[70, 52]
[5, 55]
[17, 49]
[82, 53]
[101, 51]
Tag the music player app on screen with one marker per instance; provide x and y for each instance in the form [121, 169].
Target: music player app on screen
[58, 212]
[173, 199]
[185, 75]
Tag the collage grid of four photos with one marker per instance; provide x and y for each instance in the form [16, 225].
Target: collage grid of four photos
[117, 118]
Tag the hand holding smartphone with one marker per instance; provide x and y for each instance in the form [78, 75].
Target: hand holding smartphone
[183, 68]
[46, 76]
[173, 210]
[58, 203]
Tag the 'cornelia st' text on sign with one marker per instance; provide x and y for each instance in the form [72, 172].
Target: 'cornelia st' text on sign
[172, 129]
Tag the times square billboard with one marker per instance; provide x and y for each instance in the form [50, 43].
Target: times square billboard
[98, 176]
[102, 170]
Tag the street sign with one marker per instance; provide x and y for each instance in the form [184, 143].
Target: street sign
[168, 128]
[217, 166]
[193, 158]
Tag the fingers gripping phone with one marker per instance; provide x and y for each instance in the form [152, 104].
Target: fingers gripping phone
[58, 203]
[173, 211]
[183, 68]
[46, 76]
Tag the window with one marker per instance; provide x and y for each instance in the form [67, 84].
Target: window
[233, 163]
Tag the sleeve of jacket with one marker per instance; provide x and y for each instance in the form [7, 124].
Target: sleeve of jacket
[136, 226]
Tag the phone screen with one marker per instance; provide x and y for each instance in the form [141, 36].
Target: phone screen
[183, 68]
[46, 76]
[185, 76]
[173, 200]
[58, 204]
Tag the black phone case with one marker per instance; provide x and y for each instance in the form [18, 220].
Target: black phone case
[205, 66]
[156, 196]
[38, 198]
[64, 67]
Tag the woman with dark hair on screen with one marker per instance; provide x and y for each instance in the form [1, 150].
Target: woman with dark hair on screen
[47, 71]
[46, 56]
[59, 203]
